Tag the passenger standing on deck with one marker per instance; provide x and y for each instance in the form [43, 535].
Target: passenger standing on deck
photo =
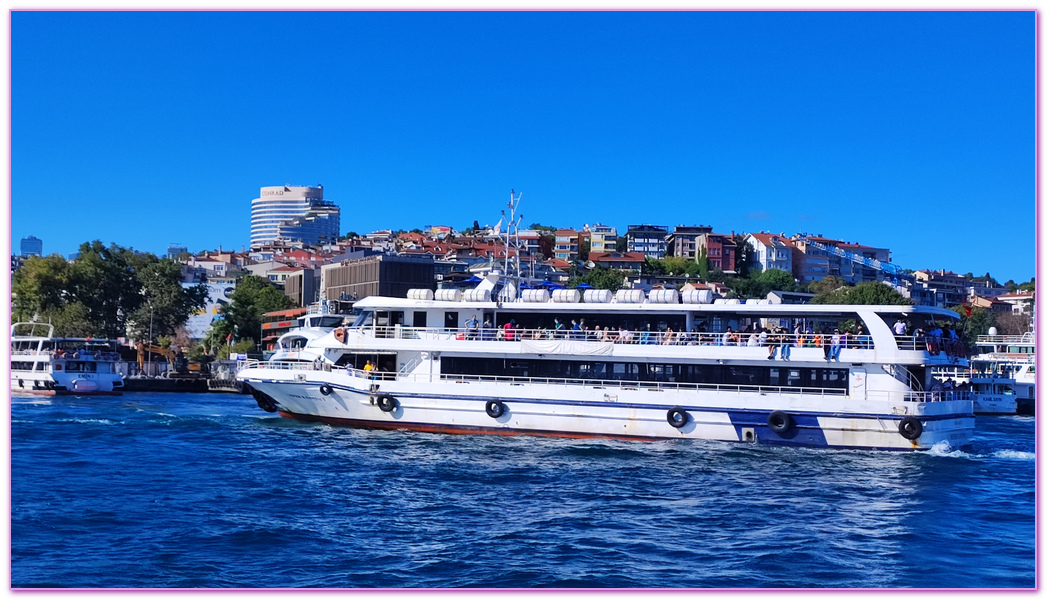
[787, 343]
[899, 327]
[471, 327]
[487, 328]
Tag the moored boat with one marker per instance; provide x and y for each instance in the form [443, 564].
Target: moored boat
[42, 364]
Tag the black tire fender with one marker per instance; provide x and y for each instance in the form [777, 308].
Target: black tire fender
[495, 408]
[325, 389]
[910, 427]
[677, 417]
[780, 422]
[386, 402]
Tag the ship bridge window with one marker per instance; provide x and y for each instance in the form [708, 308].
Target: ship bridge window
[330, 321]
[75, 366]
[293, 343]
[366, 319]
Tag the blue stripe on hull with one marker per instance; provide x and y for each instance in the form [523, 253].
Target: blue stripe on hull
[806, 432]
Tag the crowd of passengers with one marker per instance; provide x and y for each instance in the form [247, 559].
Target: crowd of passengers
[777, 339]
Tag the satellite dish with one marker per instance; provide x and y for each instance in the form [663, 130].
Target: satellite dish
[590, 265]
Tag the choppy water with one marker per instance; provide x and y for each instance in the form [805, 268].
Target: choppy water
[205, 490]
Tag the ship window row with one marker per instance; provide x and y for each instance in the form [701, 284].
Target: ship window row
[711, 374]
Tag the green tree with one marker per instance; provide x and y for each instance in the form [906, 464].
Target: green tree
[868, 292]
[242, 317]
[583, 250]
[654, 266]
[827, 284]
[167, 304]
[104, 281]
[39, 287]
[743, 256]
[601, 278]
[776, 279]
[703, 264]
[977, 324]
[621, 244]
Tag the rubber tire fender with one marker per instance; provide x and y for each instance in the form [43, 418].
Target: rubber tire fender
[910, 427]
[495, 408]
[386, 402]
[677, 417]
[325, 389]
[780, 422]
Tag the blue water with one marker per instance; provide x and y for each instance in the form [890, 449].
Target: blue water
[206, 490]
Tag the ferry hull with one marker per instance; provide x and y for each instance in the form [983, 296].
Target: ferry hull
[586, 412]
[995, 404]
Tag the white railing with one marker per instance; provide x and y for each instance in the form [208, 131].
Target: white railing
[1026, 338]
[935, 396]
[619, 336]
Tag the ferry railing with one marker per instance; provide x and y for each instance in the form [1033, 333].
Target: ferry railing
[618, 336]
[912, 396]
[919, 343]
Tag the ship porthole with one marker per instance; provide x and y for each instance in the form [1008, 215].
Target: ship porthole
[677, 417]
[495, 408]
[325, 389]
[910, 428]
[780, 422]
[386, 402]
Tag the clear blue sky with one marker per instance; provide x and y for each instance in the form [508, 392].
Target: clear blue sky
[913, 131]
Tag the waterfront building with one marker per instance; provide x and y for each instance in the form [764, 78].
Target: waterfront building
[380, 275]
[648, 239]
[939, 288]
[568, 241]
[719, 250]
[602, 238]
[771, 251]
[624, 261]
[1021, 302]
[813, 262]
[293, 213]
[32, 246]
[683, 241]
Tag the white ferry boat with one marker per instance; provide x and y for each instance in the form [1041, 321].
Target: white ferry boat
[633, 366]
[1003, 374]
[42, 364]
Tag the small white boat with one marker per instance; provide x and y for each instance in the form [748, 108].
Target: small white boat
[44, 365]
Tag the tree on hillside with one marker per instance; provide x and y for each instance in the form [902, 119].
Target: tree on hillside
[867, 292]
[827, 284]
[103, 280]
[743, 256]
[621, 244]
[583, 250]
[978, 323]
[601, 278]
[703, 264]
[540, 227]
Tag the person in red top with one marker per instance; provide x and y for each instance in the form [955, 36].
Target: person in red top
[509, 329]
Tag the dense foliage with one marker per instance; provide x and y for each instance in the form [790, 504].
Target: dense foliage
[103, 292]
[242, 317]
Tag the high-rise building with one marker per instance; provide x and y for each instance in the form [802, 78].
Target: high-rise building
[32, 246]
[287, 213]
[175, 249]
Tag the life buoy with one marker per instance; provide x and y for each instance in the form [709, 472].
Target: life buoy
[325, 389]
[677, 417]
[339, 334]
[910, 427]
[780, 422]
[386, 402]
[495, 408]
